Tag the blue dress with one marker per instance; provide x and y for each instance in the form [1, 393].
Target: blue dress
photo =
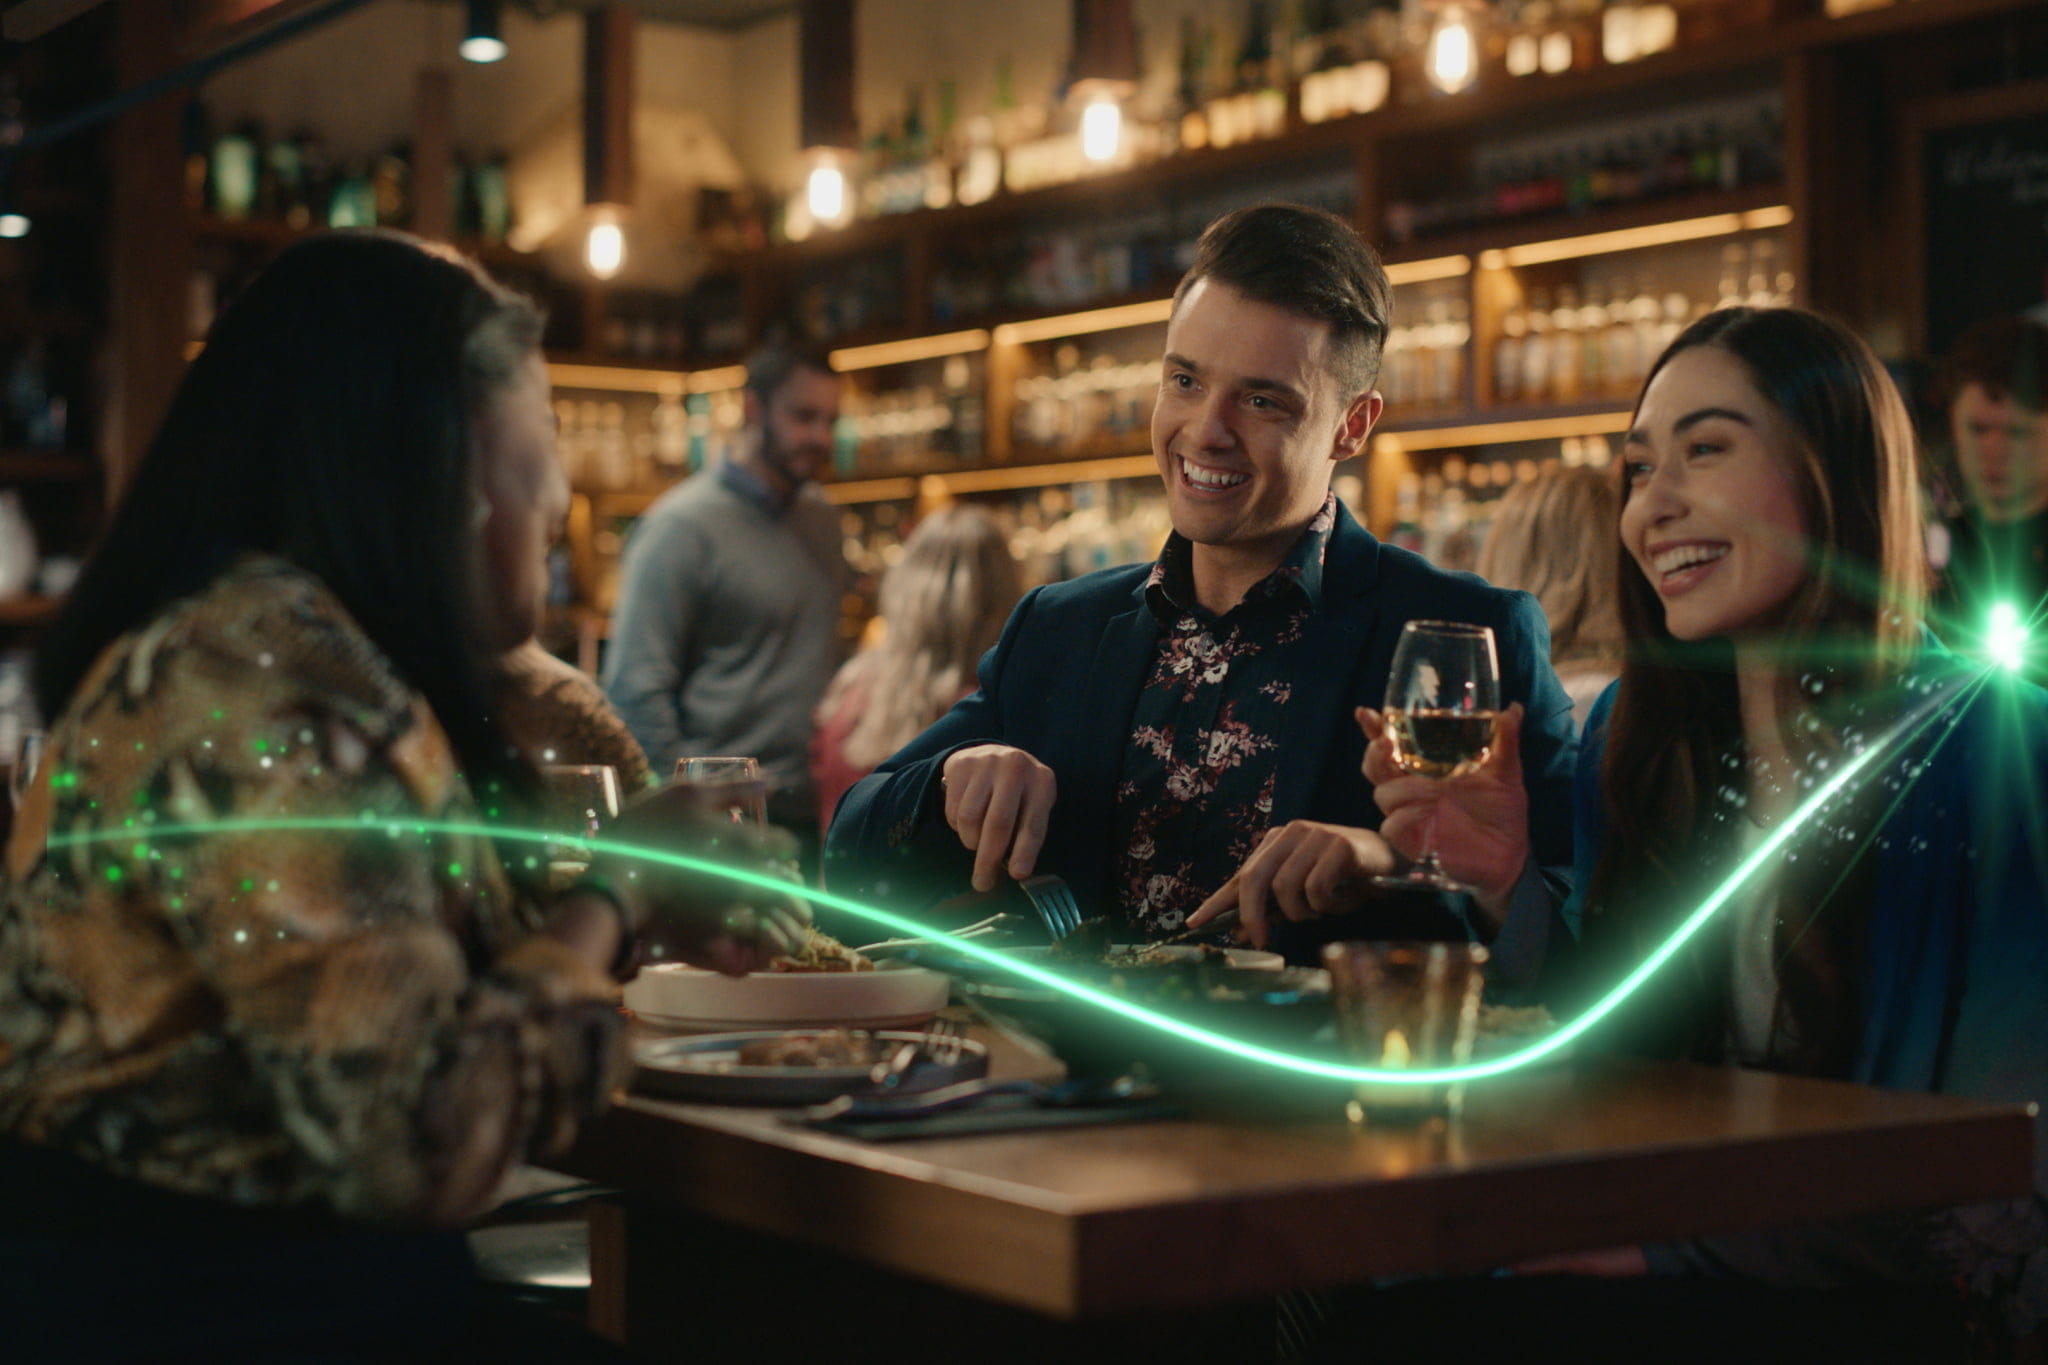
[1953, 986]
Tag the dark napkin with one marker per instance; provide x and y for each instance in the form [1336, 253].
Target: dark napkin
[996, 1114]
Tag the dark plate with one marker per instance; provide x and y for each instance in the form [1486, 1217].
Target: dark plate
[1286, 1011]
[706, 1068]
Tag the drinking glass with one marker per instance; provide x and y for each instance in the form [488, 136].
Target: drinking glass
[582, 797]
[1404, 1007]
[21, 772]
[1443, 697]
[727, 789]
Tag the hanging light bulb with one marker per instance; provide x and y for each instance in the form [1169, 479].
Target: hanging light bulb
[605, 249]
[482, 41]
[1102, 128]
[825, 191]
[1453, 51]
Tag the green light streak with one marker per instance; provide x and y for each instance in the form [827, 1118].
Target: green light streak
[902, 925]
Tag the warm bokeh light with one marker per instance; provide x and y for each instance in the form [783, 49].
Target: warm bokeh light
[14, 224]
[605, 250]
[825, 192]
[1453, 55]
[1102, 128]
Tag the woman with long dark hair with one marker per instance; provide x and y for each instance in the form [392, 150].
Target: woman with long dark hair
[1772, 582]
[246, 1058]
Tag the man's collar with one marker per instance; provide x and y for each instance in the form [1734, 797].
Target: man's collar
[1170, 589]
[755, 489]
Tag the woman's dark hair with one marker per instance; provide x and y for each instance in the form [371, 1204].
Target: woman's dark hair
[1674, 739]
[329, 421]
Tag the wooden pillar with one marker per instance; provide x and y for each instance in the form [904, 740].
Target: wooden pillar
[433, 155]
[150, 242]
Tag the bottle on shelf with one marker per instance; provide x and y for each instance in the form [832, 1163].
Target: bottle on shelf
[1507, 354]
[1729, 292]
[1760, 289]
[1536, 351]
[1618, 354]
[1593, 378]
[1565, 350]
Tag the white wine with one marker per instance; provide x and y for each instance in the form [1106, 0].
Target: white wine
[1434, 742]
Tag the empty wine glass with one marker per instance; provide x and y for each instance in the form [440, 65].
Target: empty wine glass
[726, 788]
[21, 771]
[582, 797]
[1443, 697]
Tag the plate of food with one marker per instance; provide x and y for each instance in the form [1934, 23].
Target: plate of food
[1117, 956]
[824, 984]
[789, 1066]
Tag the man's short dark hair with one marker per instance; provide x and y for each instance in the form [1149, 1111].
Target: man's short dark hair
[1308, 262]
[780, 358]
[2004, 357]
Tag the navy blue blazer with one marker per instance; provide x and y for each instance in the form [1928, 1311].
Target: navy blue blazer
[1063, 680]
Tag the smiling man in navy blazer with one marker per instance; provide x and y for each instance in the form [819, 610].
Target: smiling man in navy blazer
[1182, 737]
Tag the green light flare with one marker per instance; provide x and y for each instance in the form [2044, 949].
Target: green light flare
[907, 927]
[2005, 637]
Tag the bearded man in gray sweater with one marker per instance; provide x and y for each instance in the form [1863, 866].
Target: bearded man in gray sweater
[727, 625]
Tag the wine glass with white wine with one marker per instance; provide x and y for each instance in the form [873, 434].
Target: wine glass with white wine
[1443, 699]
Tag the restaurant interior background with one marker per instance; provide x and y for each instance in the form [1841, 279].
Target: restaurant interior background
[984, 208]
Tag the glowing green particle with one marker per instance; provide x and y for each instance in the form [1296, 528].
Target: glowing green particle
[455, 869]
[113, 872]
[248, 883]
[219, 714]
[262, 746]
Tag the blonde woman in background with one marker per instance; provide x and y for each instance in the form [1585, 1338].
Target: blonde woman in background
[1554, 538]
[942, 606]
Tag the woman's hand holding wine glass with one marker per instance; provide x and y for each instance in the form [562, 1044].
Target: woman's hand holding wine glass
[1445, 764]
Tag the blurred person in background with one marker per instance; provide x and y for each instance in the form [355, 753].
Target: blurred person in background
[942, 605]
[727, 626]
[1996, 380]
[1551, 538]
[253, 1078]
[1772, 593]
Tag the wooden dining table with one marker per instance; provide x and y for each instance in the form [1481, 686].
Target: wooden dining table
[1096, 1242]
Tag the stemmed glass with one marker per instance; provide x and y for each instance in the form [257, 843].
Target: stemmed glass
[1443, 697]
[582, 797]
[729, 790]
[21, 773]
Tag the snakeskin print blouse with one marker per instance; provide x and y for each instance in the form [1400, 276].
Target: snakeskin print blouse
[198, 994]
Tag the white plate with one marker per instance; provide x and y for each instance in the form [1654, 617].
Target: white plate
[1255, 958]
[692, 1000]
[707, 1068]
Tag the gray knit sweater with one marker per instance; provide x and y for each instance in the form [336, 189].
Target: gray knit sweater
[727, 629]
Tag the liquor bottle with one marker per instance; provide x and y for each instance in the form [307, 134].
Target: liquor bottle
[1536, 356]
[1507, 355]
[1593, 380]
[1760, 290]
[1729, 293]
[1645, 318]
[1619, 362]
[232, 175]
[1564, 347]
[1192, 89]
[1453, 340]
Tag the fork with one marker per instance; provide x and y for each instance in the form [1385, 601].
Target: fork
[1054, 901]
[943, 1041]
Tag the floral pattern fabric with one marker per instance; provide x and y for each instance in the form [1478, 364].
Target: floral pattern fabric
[1195, 794]
[195, 995]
